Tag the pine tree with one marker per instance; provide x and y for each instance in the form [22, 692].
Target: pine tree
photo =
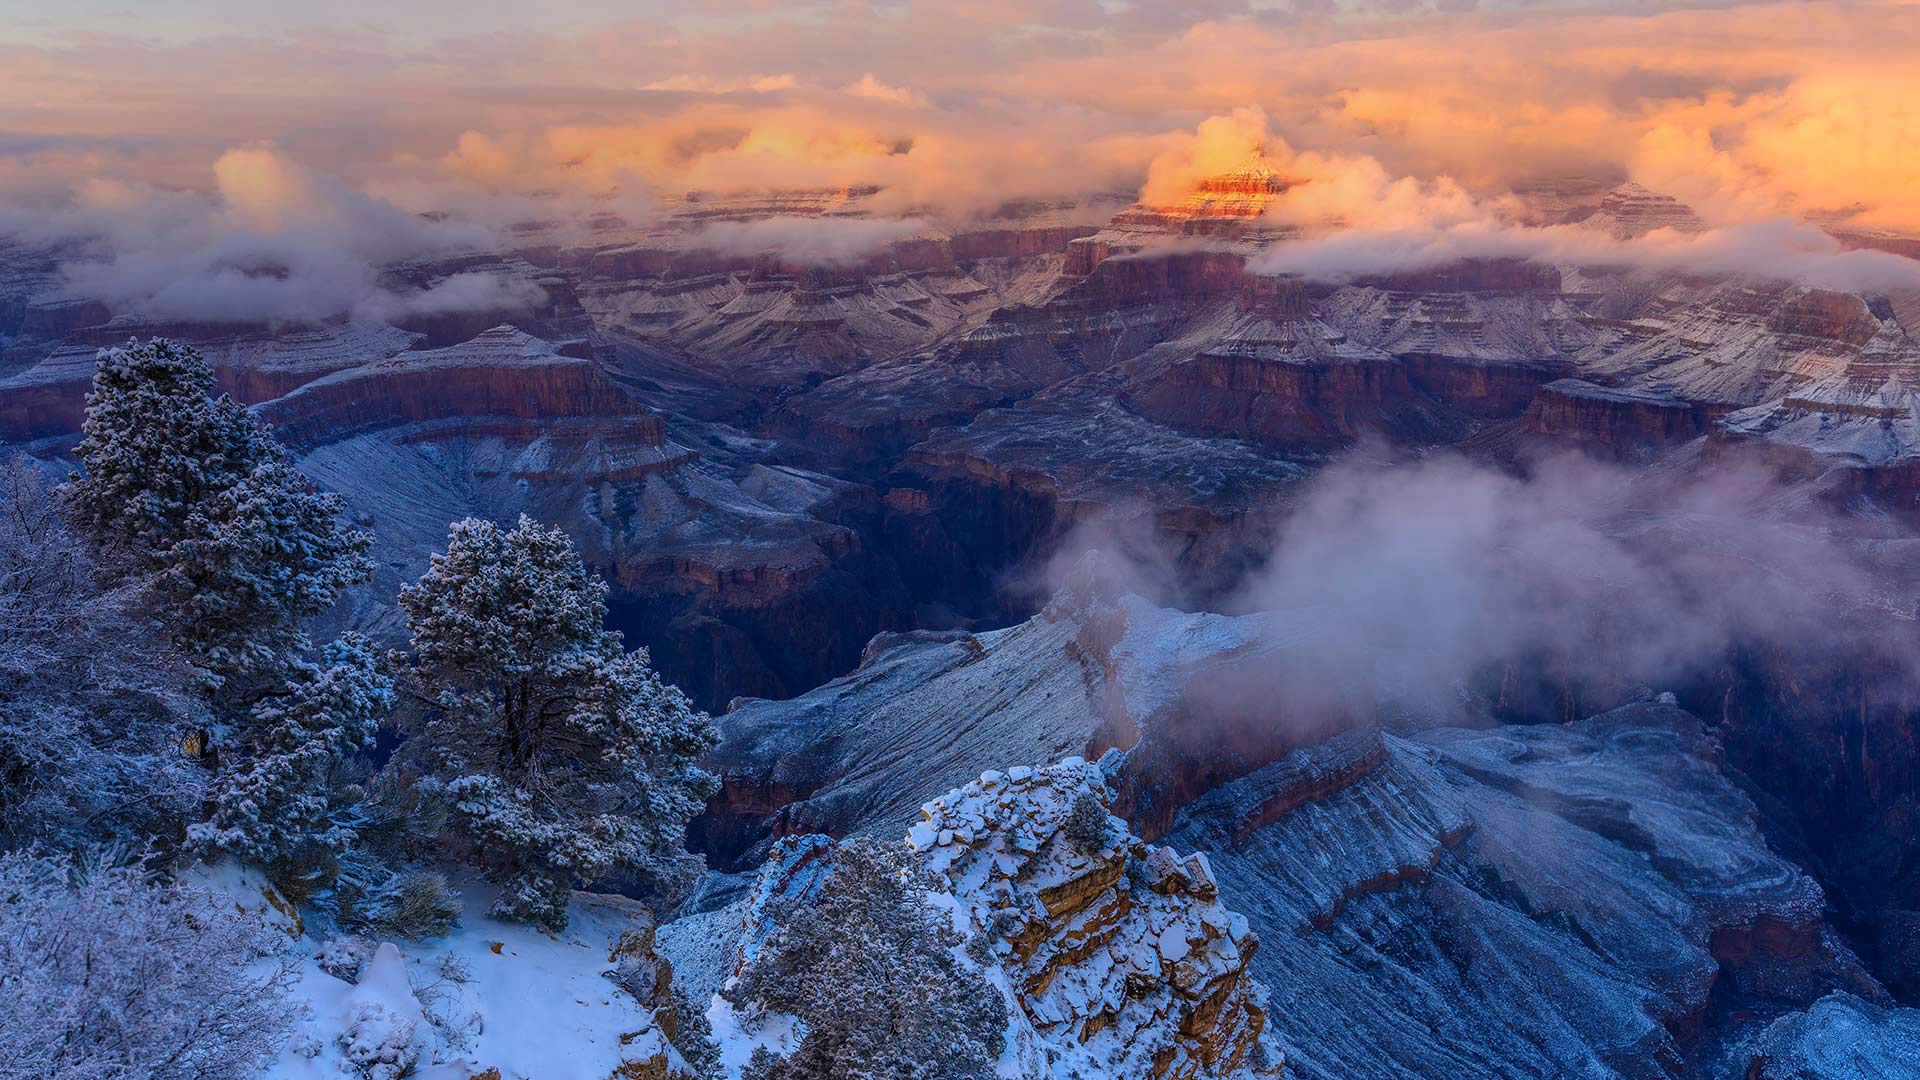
[1086, 826]
[195, 494]
[693, 1038]
[562, 759]
[868, 966]
[92, 710]
[279, 806]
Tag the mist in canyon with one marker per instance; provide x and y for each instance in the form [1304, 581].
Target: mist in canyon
[1419, 581]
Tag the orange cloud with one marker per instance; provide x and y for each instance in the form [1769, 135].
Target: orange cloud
[1747, 111]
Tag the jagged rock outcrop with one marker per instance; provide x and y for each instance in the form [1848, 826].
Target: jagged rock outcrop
[1118, 959]
[1122, 958]
[647, 977]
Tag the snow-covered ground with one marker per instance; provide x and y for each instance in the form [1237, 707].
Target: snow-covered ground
[491, 995]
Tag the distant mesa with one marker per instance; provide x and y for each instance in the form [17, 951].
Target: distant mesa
[1247, 191]
[1631, 211]
[1228, 210]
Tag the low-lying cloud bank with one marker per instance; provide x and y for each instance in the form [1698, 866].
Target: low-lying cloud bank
[1780, 249]
[1358, 220]
[271, 242]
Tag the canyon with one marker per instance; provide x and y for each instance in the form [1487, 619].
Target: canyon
[843, 501]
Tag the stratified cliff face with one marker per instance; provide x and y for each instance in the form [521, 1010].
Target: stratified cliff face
[1546, 900]
[778, 457]
[47, 397]
[1631, 211]
[500, 375]
[1618, 421]
[924, 712]
[756, 325]
[742, 576]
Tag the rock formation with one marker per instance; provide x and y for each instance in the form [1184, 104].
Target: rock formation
[1123, 958]
[927, 711]
[729, 566]
[1631, 211]
[1618, 421]
[1118, 959]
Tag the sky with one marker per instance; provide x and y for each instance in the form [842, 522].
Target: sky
[163, 123]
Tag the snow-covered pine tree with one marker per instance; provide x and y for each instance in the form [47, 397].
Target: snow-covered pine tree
[1086, 826]
[563, 759]
[280, 805]
[92, 711]
[194, 493]
[868, 966]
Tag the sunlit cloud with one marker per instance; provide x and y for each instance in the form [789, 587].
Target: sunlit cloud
[1408, 123]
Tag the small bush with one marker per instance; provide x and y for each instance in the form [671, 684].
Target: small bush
[343, 957]
[413, 904]
[108, 971]
[762, 1065]
[380, 1044]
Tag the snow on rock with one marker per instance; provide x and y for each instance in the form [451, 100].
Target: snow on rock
[1841, 1035]
[384, 1033]
[925, 712]
[494, 1000]
[249, 891]
[1119, 962]
[796, 870]
[1122, 960]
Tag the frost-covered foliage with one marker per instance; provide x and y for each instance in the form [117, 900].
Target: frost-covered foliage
[868, 965]
[106, 973]
[562, 759]
[1086, 827]
[279, 805]
[343, 957]
[412, 904]
[693, 1038]
[92, 711]
[195, 495]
